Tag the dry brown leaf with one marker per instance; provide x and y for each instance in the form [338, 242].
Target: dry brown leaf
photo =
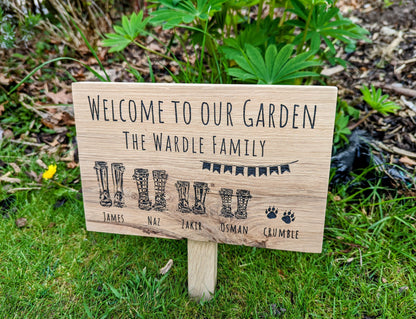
[387, 52]
[48, 124]
[57, 116]
[21, 222]
[61, 97]
[7, 179]
[51, 110]
[19, 189]
[71, 165]
[15, 167]
[69, 157]
[4, 80]
[91, 61]
[332, 71]
[8, 134]
[407, 161]
[34, 176]
[2, 109]
[41, 163]
[10, 180]
[167, 267]
[67, 119]
[281, 273]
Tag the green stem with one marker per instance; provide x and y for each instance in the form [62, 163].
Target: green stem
[67, 187]
[51, 61]
[259, 13]
[152, 51]
[283, 19]
[271, 9]
[201, 62]
[234, 22]
[300, 47]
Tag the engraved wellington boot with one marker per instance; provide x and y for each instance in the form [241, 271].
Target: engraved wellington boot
[159, 178]
[226, 198]
[101, 169]
[117, 170]
[201, 190]
[243, 196]
[141, 176]
[183, 192]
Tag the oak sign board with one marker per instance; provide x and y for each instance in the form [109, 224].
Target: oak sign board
[237, 164]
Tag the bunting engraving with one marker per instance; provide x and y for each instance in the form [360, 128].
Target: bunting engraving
[255, 171]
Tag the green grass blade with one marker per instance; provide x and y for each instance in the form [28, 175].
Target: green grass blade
[51, 61]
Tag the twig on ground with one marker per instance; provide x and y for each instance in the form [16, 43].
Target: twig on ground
[394, 149]
[18, 189]
[354, 126]
[28, 143]
[63, 186]
[397, 89]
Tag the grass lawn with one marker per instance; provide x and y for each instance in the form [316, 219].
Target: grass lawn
[53, 268]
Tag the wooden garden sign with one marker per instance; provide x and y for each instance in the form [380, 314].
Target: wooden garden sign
[236, 164]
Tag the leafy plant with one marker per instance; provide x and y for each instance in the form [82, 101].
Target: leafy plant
[275, 67]
[12, 32]
[7, 35]
[197, 18]
[341, 130]
[172, 13]
[377, 101]
[343, 106]
[127, 33]
[321, 22]
[256, 35]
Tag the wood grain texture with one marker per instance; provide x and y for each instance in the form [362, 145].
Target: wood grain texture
[238, 164]
[202, 269]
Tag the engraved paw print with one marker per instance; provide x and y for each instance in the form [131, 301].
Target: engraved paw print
[271, 212]
[288, 217]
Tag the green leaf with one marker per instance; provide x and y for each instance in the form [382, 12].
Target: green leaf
[172, 13]
[274, 67]
[256, 61]
[115, 42]
[325, 21]
[241, 74]
[270, 60]
[125, 34]
[377, 101]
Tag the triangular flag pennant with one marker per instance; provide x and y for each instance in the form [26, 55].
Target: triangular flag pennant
[249, 170]
[206, 165]
[239, 170]
[262, 171]
[285, 168]
[228, 168]
[216, 168]
[274, 169]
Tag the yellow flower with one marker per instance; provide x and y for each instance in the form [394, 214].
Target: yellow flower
[50, 172]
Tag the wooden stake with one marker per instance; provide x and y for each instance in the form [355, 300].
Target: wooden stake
[202, 269]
